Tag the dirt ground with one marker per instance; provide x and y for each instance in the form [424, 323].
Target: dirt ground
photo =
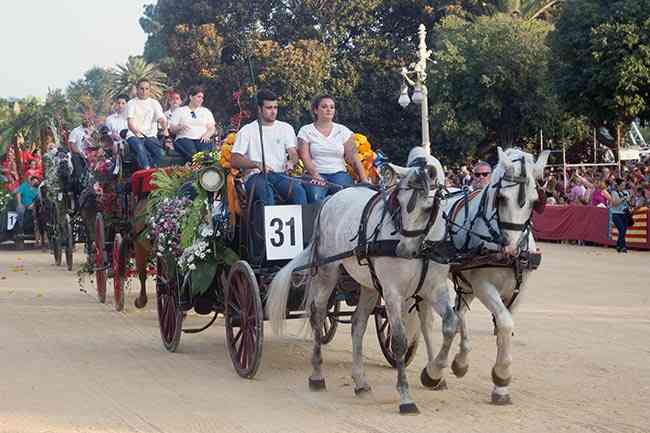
[69, 364]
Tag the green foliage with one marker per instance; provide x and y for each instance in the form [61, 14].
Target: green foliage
[490, 83]
[123, 79]
[90, 93]
[193, 218]
[602, 59]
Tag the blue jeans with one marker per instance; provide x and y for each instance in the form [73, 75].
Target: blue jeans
[620, 221]
[147, 150]
[291, 191]
[188, 147]
[317, 193]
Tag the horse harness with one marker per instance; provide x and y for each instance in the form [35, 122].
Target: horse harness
[369, 247]
[481, 257]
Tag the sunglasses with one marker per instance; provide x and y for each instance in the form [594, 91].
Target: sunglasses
[193, 114]
[481, 174]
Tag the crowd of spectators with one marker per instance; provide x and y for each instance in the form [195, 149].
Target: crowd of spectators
[585, 186]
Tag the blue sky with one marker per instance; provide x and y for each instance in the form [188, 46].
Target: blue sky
[48, 43]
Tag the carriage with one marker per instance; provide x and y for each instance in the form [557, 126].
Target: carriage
[110, 208]
[228, 268]
[59, 206]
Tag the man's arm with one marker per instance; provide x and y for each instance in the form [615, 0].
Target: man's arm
[240, 161]
[130, 122]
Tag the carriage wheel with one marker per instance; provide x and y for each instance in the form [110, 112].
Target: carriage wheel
[100, 259]
[119, 271]
[331, 321]
[384, 336]
[244, 320]
[69, 243]
[170, 316]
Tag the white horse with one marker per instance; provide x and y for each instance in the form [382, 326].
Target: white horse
[497, 218]
[416, 200]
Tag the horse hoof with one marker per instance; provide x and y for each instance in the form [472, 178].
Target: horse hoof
[140, 302]
[433, 384]
[501, 400]
[458, 370]
[317, 384]
[408, 409]
[363, 391]
[499, 381]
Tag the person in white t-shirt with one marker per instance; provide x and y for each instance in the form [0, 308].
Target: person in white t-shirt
[144, 116]
[116, 122]
[193, 126]
[80, 137]
[279, 141]
[174, 101]
[325, 146]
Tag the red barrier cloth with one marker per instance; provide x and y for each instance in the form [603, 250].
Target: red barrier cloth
[576, 223]
[141, 181]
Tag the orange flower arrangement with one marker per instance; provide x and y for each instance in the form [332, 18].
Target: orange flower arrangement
[367, 158]
[226, 150]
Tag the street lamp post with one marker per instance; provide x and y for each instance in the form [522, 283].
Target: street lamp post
[419, 97]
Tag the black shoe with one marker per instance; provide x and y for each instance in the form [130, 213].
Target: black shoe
[624, 250]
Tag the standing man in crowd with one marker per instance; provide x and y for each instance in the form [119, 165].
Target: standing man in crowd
[481, 175]
[25, 196]
[144, 116]
[279, 141]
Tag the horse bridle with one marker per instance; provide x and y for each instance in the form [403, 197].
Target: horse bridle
[423, 188]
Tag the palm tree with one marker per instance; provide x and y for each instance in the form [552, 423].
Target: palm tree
[123, 78]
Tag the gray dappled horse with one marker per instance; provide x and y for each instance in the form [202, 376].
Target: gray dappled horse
[414, 204]
[499, 220]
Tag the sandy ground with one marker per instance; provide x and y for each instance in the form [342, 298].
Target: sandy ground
[70, 364]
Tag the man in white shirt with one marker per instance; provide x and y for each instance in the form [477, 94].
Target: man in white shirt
[116, 122]
[79, 138]
[144, 115]
[279, 140]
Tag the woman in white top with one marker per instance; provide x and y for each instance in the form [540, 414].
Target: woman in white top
[325, 147]
[193, 125]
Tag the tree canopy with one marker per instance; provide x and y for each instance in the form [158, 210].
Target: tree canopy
[602, 59]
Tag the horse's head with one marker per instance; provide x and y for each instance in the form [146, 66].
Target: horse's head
[516, 195]
[415, 201]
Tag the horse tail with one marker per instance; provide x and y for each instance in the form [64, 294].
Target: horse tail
[278, 295]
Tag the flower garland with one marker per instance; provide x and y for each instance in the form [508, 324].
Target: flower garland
[165, 226]
[199, 249]
[366, 157]
[226, 150]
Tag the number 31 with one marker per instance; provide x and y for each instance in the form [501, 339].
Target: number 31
[277, 240]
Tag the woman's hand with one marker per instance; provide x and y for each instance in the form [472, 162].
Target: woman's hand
[205, 137]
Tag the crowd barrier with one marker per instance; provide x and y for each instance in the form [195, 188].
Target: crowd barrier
[588, 223]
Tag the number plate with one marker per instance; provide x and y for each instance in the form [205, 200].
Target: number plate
[12, 218]
[283, 231]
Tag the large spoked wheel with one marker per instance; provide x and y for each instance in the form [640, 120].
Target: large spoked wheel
[385, 342]
[100, 259]
[244, 320]
[331, 320]
[170, 316]
[69, 242]
[119, 271]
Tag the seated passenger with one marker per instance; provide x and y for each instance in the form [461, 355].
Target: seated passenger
[325, 147]
[193, 126]
[144, 115]
[279, 140]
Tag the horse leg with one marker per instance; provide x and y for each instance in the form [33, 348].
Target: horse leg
[399, 344]
[461, 363]
[367, 302]
[432, 375]
[489, 296]
[142, 251]
[322, 285]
